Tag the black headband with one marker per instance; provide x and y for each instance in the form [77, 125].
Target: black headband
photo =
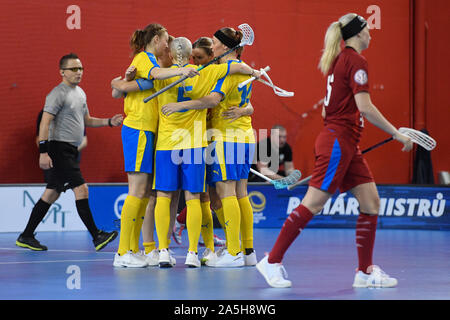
[226, 40]
[353, 27]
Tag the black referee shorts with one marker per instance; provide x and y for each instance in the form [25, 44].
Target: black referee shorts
[65, 173]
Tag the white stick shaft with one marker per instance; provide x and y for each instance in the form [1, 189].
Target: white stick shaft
[244, 83]
[261, 175]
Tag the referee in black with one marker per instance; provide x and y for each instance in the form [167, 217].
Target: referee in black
[61, 131]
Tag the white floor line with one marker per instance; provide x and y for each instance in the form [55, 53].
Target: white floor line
[52, 261]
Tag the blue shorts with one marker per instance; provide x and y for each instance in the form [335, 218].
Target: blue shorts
[228, 161]
[138, 147]
[180, 169]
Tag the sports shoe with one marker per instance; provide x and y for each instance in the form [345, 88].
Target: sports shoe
[226, 260]
[274, 273]
[177, 230]
[250, 259]
[217, 241]
[128, 260]
[207, 255]
[103, 238]
[30, 243]
[192, 260]
[165, 259]
[376, 279]
[152, 258]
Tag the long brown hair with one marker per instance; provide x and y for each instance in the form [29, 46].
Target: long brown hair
[204, 43]
[141, 38]
[236, 35]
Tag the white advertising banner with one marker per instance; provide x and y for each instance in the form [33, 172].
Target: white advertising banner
[18, 201]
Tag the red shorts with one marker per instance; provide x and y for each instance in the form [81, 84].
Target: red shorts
[339, 163]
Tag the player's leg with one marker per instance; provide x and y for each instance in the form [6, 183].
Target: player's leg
[368, 274]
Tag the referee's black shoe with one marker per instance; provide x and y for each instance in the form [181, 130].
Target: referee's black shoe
[103, 238]
[30, 243]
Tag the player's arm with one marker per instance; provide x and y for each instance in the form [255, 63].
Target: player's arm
[243, 68]
[369, 111]
[166, 73]
[233, 113]
[206, 102]
[45, 162]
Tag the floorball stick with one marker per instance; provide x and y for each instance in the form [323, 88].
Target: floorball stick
[247, 40]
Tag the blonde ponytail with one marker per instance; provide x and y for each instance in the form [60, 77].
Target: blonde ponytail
[332, 42]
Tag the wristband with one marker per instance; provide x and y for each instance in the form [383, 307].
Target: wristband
[109, 122]
[43, 146]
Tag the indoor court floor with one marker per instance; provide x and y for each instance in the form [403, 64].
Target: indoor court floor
[320, 263]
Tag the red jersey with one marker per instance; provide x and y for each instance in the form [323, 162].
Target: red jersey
[348, 75]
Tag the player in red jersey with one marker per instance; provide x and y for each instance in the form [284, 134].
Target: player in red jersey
[339, 163]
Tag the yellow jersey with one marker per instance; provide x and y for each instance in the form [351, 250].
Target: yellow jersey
[138, 114]
[240, 130]
[186, 129]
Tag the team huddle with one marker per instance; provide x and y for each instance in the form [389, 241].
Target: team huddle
[196, 137]
[173, 143]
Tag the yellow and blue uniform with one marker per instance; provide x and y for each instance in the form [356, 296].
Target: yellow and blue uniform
[179, 160]
[138, 139]
[233, 143]
[179, 156]
[232, 149]
[141, 121]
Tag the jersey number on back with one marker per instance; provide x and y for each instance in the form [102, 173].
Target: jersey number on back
[244, 95]
[330, 80]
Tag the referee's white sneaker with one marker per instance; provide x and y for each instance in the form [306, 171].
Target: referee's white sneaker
[128, 260]
[226, 260]
[376, 279]
[274, 273]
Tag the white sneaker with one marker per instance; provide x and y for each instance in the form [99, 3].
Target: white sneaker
[274, 273]
[192, 260]
[226, 260]
[152, 258]
[376, 279]
[250, 259]
[207, 255]
[165, 259]
[128, 260]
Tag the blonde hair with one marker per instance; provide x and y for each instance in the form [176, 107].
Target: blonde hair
[332, 42]
[181, 49]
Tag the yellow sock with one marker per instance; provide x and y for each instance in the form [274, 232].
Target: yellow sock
[130, 211]
[232, 218]
[207, 225]
[134, 241]
[221, 218]
[193, 222]
[246, 223]
[149, 246]
[162, 221]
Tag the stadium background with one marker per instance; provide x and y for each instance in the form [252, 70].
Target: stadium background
[408, 61]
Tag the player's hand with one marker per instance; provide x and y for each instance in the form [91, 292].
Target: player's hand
[232, 113]
[170, 108]
[45, 162]
[407, 143]
[257, 74]
[189, 72]
[116, 120]
[130, 73]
